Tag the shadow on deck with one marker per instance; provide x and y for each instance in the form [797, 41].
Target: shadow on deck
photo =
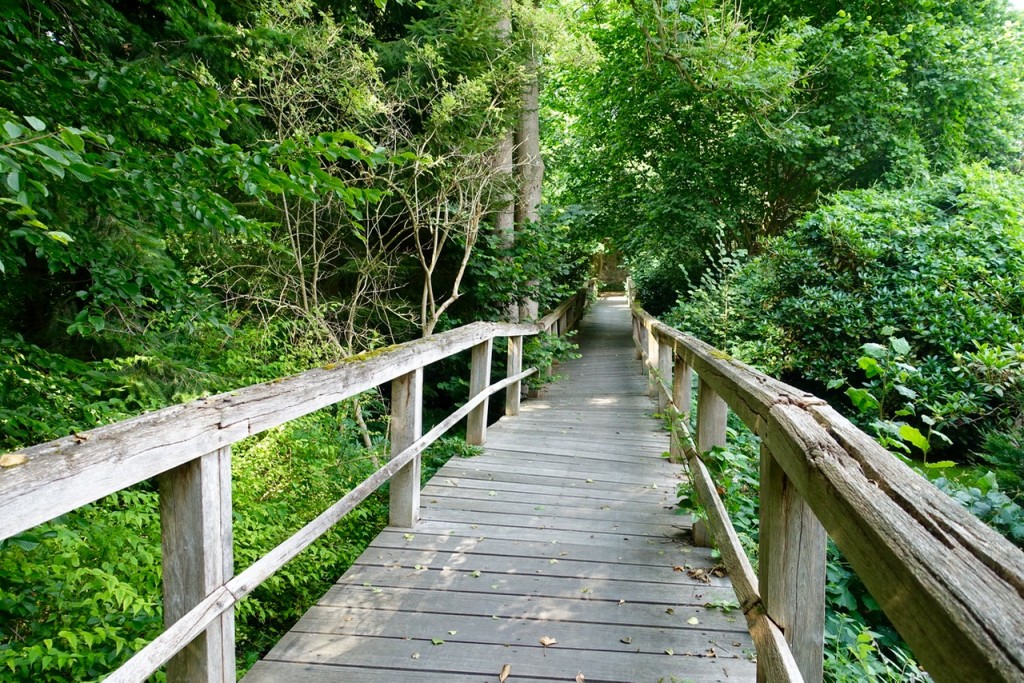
[563, 530]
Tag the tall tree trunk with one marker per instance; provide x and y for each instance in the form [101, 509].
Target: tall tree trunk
[505, 219]
[531, 169]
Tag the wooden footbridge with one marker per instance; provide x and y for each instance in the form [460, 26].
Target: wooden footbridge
[556, 555]
[563, 530]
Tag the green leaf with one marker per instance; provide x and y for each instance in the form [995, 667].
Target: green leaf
[900, 346]
[59, 236]
[874, 350]
[54, 154]
[14, 181]
[437, 641]
[940, 465]
[870, 366]
[35, 123]
[863, 400]
[72, 140]
[13, 130]
[915, 437]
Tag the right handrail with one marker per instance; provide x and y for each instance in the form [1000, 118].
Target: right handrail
[952, 586]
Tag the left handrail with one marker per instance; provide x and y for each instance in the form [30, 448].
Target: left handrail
[188, 447]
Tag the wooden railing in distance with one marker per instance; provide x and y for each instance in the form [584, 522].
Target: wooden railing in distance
[189, 447]
[953, 587]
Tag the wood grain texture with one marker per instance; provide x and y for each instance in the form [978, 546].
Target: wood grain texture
[406, 428]
[195, 519]
[513, 394]
[791, 566]
[479, 380]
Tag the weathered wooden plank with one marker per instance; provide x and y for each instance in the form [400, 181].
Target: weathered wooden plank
[672, 611]
[195, 519]
[469, 659]
[501, 583]
[553, 503]
[791, 566]
[479, 380]
[660, 571]
[682, 395]
[564, 535]
[610, 468]
[635, 554]
[513, 394]
[556, 468]
[570, 492]
[406, 428]
[635, 529]
[666, 363]
[499, 504]
[485, 629]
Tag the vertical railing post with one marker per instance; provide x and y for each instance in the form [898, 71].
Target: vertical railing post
[652, 361]
[791, 567]
[665, 367]
[195, 520]
[682, 395]
[513, 392]
[406, 428]
[479, 380]
[637, 339]
[712, 417]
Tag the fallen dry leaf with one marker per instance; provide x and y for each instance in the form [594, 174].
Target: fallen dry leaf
[627, 640]
[505, 671]
[693, 621]
[580, 678]
[548, 641]
[12, 460]
[699, 574]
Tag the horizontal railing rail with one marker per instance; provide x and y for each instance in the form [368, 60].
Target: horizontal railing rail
[952, 586]
[188, 447]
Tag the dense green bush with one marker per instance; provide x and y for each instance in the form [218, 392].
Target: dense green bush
[940, 265]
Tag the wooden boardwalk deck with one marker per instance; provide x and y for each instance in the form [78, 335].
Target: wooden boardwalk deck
[564, 529]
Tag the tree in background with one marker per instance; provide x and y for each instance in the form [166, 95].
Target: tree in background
[702, 120]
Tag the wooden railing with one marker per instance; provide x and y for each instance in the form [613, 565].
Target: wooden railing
[953, 587]
[188, 447]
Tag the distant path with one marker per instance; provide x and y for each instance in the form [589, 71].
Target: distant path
[564, 529]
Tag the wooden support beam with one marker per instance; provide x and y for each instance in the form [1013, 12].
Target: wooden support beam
[682, 393]
[195, 520]
[406, 428]
[664, 373]
[479, 380]
[792, 568]
[515, 366]
[712, 416]
[637, 339]
[652, 362]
